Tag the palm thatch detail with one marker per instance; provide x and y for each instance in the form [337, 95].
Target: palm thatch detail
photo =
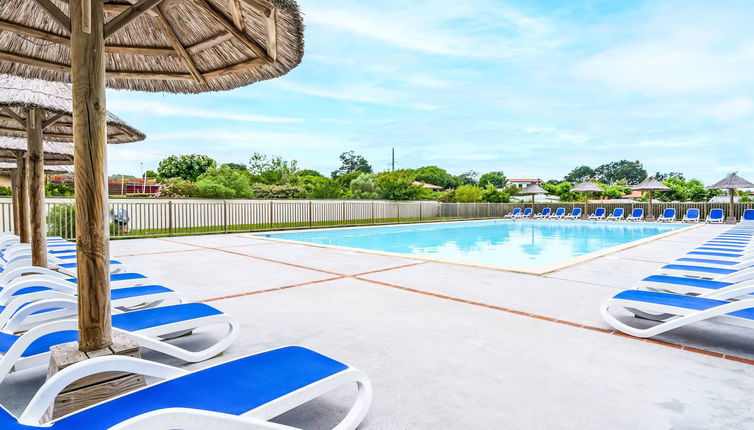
[186, 46]
[55, 153]
[587, 187]
[731, 182]
[7, 168]
[532, 189]
[651, 184]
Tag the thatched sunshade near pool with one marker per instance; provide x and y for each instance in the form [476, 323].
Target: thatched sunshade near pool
[7, 168]
[532, 189]
[151, 45]
[732, 182]
[586, 187]
[651, 184]
[13, 152]
[37, 110]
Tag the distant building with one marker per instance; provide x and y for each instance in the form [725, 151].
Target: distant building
[523, 183]
[427, 186]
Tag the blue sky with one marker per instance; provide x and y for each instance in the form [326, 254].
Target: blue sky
[530, 88]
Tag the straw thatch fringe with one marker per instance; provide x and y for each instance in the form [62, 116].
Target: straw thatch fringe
[731, 182]
[587, 187]
[56, 153]
[651, 184]
[54, 98]
[143, 54]
[532, 189]
[6, 168]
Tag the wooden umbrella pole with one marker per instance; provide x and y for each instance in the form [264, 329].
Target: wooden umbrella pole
[23, 198]
[89, 131]
[650, 216]
[732, 216]
[532, 203]
[35, 172]
[14, 199]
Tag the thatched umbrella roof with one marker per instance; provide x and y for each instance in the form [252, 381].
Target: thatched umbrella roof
[151, 45]
[731, 182]
[6, 168]
[587, 187]
[55, 153]
[532, 189]
[651, 184]
[17, 95]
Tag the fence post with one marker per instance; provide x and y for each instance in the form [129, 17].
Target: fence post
[420, 211]
[271, 214]
[170, 218]
[373, 220]
[343, 213]
[310, 214]
[225, 215]
[398, 209]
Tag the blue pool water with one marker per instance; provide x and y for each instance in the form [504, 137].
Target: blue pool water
[525, 244]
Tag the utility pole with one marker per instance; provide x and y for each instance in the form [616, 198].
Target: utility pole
[143, 179]
[392, 169]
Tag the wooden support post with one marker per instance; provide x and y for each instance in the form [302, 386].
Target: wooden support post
[90, 161]
[36, 180]
[14, 199]
[22, 192]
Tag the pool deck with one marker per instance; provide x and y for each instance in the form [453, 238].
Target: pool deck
[449, 346]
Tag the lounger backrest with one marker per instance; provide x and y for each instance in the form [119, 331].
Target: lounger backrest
[637, 213]
[546, 211]
[692, 213]
[599, 212]
[527, 211]
[576, 212]
[516, 211]
[748, 215]
[618, 212]
[668, 213]
[560, 211]
[716, 214]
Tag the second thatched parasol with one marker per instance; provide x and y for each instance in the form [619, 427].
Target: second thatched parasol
[586, 187]
[150, 45]
[731, 183]
[651, 184]
[532, 189]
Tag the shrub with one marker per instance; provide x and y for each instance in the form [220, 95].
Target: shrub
[326, 189]
[490, 194]
[468, 194]
[188, 167]
[57, 190]
[365, 186]
[5, 191]
[224, 183]
[176, 188]
[448, 196]
[61, 220]
[398, 185]
[264, 191]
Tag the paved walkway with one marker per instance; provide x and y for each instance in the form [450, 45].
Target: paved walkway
[450, 346]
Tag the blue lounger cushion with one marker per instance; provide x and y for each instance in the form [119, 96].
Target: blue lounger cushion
[689, 282]
[72, 265]
[129, 321]
[709, 261]
[680, 301]
[701, 269]
[714, 248]
[117, 277]
[716, 254]
[235, 387]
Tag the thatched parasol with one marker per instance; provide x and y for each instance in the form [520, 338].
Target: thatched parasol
[651, 184]
[150, 45]
[7, 168]
[732, 182]
[587, 187]
[532, 189]
[13, 150]
[38, 109]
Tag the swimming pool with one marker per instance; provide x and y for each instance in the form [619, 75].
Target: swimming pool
[517, 244]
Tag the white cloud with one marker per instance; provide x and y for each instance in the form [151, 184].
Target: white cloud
[359, 92]
[129, 104]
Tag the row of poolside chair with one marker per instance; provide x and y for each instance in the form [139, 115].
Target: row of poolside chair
[38, 309]
[715, 280]
[716, 216]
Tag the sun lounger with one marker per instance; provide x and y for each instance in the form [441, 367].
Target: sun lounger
[559, 214]
[636, 215]
[598, 215]
[514, 213]
[146, 327]
[575, 214]
[241, 394]
[748, 216]
[674, 310]
[617, 215]
[544, 214]
[525, 214]
[692, 215]
[668, 215]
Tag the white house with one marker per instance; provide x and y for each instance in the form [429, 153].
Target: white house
[523, 183]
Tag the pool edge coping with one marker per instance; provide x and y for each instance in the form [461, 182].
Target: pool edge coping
[539, 271]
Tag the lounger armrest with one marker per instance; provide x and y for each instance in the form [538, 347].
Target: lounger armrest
[18, 284]
[21, 301]
[12, 274]
[193, 419]
[15, 322]
[112, 363]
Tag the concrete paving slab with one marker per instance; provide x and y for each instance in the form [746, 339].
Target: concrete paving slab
[144, 246]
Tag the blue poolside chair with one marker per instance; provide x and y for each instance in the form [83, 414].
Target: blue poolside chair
[559, 214]
[748, 215]
[575, 214]
[617, 215]
[636, 215]
[668, 215]
[515, 213]
[598, 214]
[544, 214]
[692, 215]
[242, 393]
[147, 327]
[525, 214]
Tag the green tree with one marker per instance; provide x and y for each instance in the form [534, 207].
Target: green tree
[496, 179]
[631, 171]
[435, 176]
[365, 186]
[562, 190]
[344, 181]
[467, 178]
[121, 176]
[579, 174]
[326, 189]
[224, 183]
[188, 167]
[614, 191]
[398, 185]
[151, 174]
[351, 162]
[490, 194]
[236, 166]
[58, 190]
[308, 172]
[287, 191]
[176, 188]
[682, 190]
[271, 170]
[468, 194]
